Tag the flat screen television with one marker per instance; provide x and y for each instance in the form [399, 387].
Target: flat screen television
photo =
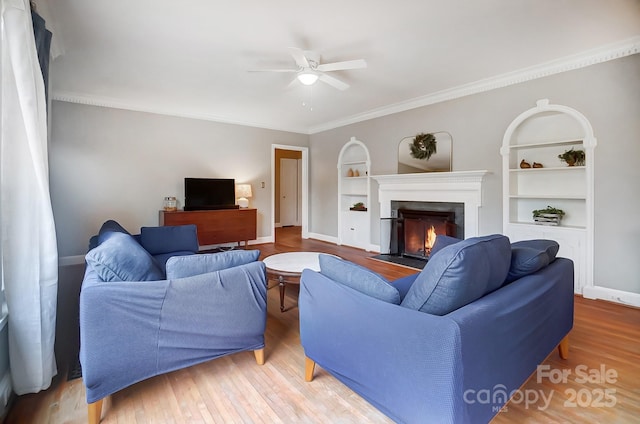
[209, 194]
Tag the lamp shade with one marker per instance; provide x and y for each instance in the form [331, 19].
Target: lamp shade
[242, 192]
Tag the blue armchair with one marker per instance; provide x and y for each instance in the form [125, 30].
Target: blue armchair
[143, 315]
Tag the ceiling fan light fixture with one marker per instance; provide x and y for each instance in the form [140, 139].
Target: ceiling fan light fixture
[307, 77]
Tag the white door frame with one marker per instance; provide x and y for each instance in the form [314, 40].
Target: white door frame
[305, 187]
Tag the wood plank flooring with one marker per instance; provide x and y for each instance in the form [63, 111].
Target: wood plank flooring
[234, 389]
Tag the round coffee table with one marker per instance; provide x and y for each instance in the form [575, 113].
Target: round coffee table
[286, 268]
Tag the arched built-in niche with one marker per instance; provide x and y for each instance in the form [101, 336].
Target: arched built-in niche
[535, 178]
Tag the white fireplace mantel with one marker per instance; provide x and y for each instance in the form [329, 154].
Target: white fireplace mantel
[460, 186]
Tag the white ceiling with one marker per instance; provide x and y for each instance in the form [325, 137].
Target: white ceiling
[190, 58]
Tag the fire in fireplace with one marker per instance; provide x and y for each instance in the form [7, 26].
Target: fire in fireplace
[408, 237]
[418, 230]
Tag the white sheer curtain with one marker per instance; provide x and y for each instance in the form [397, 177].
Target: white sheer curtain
[27, 244]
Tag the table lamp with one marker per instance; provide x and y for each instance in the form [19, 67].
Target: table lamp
[243, 191]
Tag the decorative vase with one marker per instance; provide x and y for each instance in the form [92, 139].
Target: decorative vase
[170, 204]
[356, 173]
[350, 173]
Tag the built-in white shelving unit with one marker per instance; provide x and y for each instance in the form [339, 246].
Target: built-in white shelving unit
[354, 186]
[539, 135]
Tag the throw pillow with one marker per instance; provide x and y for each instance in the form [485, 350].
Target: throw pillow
[109, 227]
[121, 258]
[170, 238]
[550, 247]
[187, 266]
[529, 256]
[358, 278]
[442, 241]
[459, 274]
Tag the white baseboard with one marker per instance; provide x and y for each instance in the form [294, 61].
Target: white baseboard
[612, 295]
[323, 237]
[373, 248]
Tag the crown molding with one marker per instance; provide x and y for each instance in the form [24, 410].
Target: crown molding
[93, 100]
[581, 60]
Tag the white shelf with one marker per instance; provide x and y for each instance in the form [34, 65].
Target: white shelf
[355, 162]
[555, 168]
[533, 224]
[574, 142]
[546, 196]
[361, 177]
[355, 194]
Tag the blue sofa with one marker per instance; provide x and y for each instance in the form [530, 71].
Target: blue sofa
[429, 347]
[149, 305]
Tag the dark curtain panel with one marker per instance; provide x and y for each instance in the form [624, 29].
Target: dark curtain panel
[43, 44]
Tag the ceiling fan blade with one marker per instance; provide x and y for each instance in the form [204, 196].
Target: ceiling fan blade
[339, 66]
[272, 70]
[299, 57]
[334, 82]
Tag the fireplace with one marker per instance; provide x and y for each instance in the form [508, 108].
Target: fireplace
[435, 191]
[408, 237]
[417, 231]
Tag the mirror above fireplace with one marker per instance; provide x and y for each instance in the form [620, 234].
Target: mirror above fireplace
[425, 152]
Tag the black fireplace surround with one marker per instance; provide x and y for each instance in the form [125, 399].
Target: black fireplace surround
[407, 237]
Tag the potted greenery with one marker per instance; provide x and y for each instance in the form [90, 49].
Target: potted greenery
[548, 216]
[573, 157]
[358, 207]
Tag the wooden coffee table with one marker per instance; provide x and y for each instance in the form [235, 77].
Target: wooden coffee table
[286, 268]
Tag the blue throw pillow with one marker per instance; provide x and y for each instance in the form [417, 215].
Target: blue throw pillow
[442, 241]
[550, 247]
[170, 238]
[187, 266]
[459, 274]
[358, 278]
[109, 227]
[529, 256]
[121, 258]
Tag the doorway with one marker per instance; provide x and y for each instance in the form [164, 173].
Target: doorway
[288, 189]
[289, 182]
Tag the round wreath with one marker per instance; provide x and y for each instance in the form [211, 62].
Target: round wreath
[423, 146]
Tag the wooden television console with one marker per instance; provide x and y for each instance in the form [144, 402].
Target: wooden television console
[217, 226]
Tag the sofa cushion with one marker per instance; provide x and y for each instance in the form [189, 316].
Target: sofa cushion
[162, 258]
[441, 242]
[167, 239]
[530, 256]
[459, 274]
[358, 278]
[187, 266]
[120, 258]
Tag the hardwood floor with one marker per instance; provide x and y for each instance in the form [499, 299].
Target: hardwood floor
[235, 389]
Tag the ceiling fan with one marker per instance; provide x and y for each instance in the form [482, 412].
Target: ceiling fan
[310, 69]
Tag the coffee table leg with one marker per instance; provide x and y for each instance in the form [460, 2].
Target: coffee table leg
[281, 283]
